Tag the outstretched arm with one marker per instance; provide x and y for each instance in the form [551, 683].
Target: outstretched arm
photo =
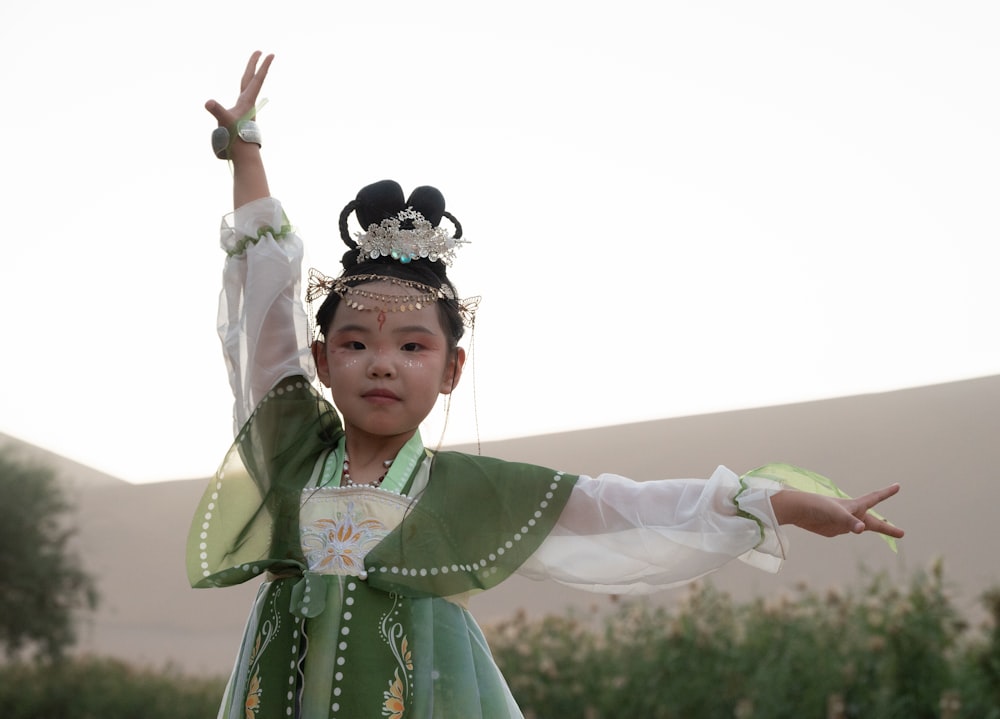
[832, 516]
[249, 178]
[623, 537]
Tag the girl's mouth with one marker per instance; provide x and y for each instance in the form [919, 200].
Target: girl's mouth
[381, 396]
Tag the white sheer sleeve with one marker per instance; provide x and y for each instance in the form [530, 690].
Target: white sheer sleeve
[624, 537]
[262, 323]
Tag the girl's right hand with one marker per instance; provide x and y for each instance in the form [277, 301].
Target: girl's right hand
[253, 80]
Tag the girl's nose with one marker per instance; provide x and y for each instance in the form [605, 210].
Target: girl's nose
[381, 367]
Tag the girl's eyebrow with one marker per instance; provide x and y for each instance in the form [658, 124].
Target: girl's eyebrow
[414, 328]
[349, 328]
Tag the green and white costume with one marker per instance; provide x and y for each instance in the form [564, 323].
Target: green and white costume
[362, 609]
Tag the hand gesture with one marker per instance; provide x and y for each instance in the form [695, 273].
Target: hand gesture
[832, 516]
[244, 109]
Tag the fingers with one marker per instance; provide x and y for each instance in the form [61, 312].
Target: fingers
[871, 499]
[254, 76]
[217, 110]
[250, 70]
[250, 84]
[872, 523]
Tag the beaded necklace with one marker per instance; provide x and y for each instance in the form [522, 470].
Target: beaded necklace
[346, 480]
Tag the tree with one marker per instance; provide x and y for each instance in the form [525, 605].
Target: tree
[43, 586]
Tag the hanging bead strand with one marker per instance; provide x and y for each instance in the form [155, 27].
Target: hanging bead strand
[346, 480]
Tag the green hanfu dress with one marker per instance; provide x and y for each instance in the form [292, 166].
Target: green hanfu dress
[364, 613]
[361, 611]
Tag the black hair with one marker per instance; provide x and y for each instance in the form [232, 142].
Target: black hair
[380, 201]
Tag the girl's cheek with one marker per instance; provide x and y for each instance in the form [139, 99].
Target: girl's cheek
[345, 361]
[412, 363]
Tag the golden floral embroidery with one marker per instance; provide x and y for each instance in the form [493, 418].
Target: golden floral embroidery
[253, 697]
[394, 705]
[268, 630]
[399, 688]
[404, 650]
[339, 544]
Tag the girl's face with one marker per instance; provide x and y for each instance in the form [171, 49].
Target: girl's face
[386, 369]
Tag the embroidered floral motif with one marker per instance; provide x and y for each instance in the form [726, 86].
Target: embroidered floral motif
[266, 632]
[339, 544]
[399, 688]
[394, 705]
[404, 650]
[252, 703]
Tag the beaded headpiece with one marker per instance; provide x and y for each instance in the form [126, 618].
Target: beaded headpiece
[407, 236]
[414, 296]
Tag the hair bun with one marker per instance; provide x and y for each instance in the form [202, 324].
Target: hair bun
[378, 201]
[382, 200]
[429, 202]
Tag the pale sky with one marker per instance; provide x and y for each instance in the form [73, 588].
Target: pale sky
[674, 207]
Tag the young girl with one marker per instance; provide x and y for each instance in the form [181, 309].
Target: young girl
[368, 544]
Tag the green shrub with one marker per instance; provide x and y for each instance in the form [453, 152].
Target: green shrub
[100, 688]
[883, 650]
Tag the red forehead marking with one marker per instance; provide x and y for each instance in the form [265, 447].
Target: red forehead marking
[381, 319]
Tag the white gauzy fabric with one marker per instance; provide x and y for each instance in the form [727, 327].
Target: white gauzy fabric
[615, 535]
[262, 322]
[624, 537]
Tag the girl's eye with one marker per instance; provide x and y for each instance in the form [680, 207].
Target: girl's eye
[411, 347]
[354, 345]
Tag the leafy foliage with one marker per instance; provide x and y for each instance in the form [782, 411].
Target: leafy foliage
[884, 650]
[42, 584]
[94, 688]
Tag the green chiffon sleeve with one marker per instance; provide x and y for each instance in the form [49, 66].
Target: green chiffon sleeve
[247, 520]
[477, 521]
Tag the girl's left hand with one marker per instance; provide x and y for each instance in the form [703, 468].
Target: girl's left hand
[831, 516]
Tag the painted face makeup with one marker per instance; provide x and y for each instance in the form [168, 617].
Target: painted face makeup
[386, 369]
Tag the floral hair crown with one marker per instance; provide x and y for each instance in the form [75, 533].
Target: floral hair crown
[406, 237]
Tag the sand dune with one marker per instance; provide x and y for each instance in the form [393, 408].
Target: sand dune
[939, 442]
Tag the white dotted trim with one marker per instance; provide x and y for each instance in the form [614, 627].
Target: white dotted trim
[483, 566]
[205, 551]
[342, 645]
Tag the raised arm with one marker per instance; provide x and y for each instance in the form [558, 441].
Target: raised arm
[249, 178]
[262, 323]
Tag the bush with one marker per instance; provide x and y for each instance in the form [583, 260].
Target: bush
[886, 651]
[100, 688]
[883, 650]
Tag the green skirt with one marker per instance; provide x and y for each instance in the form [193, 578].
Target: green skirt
[367, 654]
